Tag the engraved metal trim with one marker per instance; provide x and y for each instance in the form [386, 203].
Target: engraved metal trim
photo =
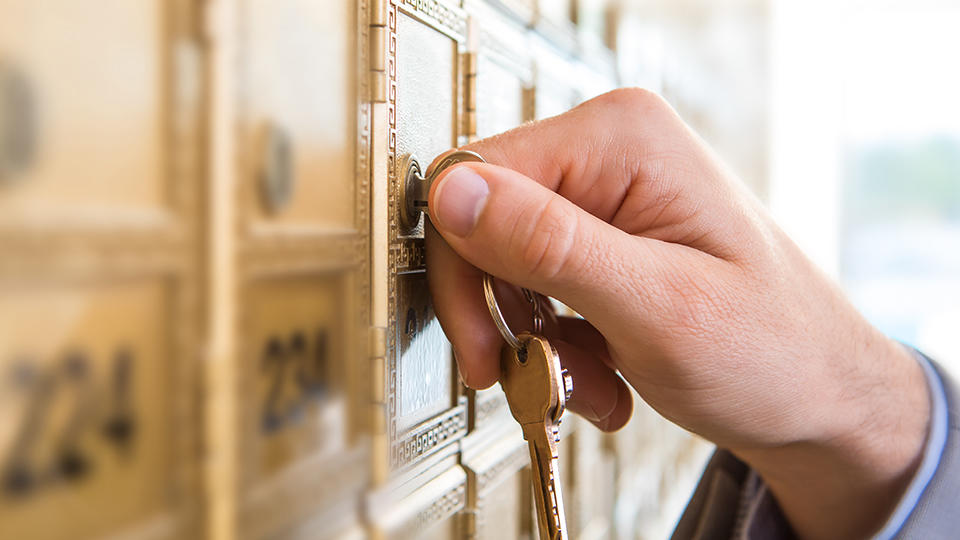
[429, 435]
[413, 192]
[444, 16]
[404, 249]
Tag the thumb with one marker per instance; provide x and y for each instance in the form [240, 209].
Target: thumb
[509, 225]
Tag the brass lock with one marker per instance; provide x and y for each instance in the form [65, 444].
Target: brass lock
[17, 122]
[415, 188]
[275, 173]
[414, 191]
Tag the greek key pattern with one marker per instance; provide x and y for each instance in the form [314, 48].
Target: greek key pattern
[450, 19]
[392, 217]
[411, 254]
[442, 508]
[428, 436]
[407, 253]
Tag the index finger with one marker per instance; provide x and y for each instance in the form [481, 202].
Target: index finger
[593, 154]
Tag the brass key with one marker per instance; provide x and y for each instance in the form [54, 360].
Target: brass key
[537, 389]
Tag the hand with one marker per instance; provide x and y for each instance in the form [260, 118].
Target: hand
[688, 290]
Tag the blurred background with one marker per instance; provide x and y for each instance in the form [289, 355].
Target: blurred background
[208, 313]
[844, 118]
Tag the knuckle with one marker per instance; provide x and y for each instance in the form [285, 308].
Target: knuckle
[631, 99]
[548, 247]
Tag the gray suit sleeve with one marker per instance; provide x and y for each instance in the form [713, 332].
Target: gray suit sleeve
[732, 502]
[936, 512]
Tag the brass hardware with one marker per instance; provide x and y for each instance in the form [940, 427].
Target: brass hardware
[468, 523]
[378, 369]
[275, 174]
[17, 122]
[414, 191]
[470, 94]
[529, 104]
[378, 51]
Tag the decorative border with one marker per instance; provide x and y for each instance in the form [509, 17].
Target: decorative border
[499, 471]
[438, 14]
[359, 403]
[406, 253]
[265, 253]
[159, 244]
[432, 434]
[442, 508]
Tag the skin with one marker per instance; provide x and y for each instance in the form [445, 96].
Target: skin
[690, 294]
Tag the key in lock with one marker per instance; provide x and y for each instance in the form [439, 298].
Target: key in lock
[414, 187]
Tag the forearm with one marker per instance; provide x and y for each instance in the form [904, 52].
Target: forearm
[845, 484]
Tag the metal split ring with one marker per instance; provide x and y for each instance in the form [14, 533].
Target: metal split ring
[497, 315]
[460, 156]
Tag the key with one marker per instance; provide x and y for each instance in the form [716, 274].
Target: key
[537, 389]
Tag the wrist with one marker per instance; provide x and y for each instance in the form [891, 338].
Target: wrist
[845, 481]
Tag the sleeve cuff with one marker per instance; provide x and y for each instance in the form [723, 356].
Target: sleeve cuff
[936, 441]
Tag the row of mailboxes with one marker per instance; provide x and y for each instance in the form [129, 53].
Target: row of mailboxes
[213, 322]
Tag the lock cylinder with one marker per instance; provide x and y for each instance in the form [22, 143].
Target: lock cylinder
[415, 187]
[414, 190]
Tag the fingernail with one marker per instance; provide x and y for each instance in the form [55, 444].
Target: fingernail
[459, 199]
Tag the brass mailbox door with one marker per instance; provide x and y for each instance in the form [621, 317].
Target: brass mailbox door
[422, 410]
[555, 21]
[425, 505]
[594, 484]
[88, 390]
[94, 115]
[555, 81]
[99, 275]
[303, 264]
[499, 495]
[299, 107]
[503, 71]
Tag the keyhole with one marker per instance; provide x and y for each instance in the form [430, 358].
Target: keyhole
[411, 323]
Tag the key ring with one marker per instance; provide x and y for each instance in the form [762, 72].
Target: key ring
[497, 315]
[460, 156]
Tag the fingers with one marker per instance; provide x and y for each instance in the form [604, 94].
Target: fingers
[586, 336]
[592, 153]
[508, 225]
[461, 309]
[626, 158]
[457, 290]
[599, 394]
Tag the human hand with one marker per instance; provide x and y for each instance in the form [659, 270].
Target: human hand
[691, 292]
